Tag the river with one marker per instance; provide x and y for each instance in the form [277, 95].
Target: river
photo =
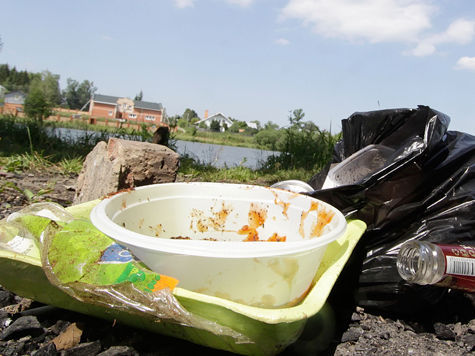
[218, 156]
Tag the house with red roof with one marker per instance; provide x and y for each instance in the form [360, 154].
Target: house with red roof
[127, 110]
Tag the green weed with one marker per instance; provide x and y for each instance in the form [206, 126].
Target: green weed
[27, 193]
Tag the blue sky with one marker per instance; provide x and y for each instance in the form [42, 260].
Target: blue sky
[257, 59]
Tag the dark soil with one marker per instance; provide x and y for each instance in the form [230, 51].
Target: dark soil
[28, 327]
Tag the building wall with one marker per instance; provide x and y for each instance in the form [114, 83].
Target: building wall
[102, 110]
[136, 116]
[144, 115]
[12, 109]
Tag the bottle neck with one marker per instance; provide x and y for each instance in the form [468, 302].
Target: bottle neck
[421, 262]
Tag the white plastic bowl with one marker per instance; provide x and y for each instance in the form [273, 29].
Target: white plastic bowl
[259, 273]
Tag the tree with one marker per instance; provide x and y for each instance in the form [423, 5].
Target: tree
[296, 117]
[42, 96]
[269, 125]
[76, 95]
[189, 114]
[49, 84]
[13, 80]
[237, 126]
[214, 125]
[85, 91]
[36, 104]
[139, 96]
[268, 139]
[70, 94]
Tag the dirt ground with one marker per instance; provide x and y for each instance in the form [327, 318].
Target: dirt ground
[449, 329]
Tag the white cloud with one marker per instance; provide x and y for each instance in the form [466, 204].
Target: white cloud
[106, 38]
[181, 4]
[282, 41]
[374, 21]
[466, 63]
[460, 31]
[371, 20]
[242, 3]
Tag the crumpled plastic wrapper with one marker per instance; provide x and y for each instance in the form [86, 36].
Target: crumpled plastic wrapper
[89, 266]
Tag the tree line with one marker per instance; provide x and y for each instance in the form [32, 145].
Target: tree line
[43, 91]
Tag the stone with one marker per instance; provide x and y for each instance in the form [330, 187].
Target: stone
[6, 298]
[84, 349]
[13, 349]
[444, 332]
[47, 350]
[122, 164]
[59, 327]
[5, 319]
[352, 334]
[25, 325]
[469, 340]
[119, 351]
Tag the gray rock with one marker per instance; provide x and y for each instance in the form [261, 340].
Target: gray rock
[6, 298]
[12, 349]
[119, 351]
[84, 349]
[469, 340]
[25, 325]
[352, 334]
[122, 164]
[444, 332]
[4, 319]
[59, 327]
[47, 350]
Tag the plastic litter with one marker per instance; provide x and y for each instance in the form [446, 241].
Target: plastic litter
[202, 319]
[89, 266]
[424, 191]
[424, 263]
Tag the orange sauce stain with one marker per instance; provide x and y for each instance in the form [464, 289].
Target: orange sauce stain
[119, 191]
[324, 217]
[256, 218]
[313, 207]
[219, 218]
[205, 222]
[284, 205]
[277, 238]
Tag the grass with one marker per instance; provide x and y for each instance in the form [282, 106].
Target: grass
[217, 138]
[191, 170]
[37, 162]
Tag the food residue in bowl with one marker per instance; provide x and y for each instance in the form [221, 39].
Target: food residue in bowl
[324, 217]
[216, 221]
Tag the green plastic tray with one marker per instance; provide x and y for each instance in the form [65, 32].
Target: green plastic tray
[270, 330]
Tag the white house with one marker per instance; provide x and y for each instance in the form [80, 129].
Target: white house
[252, 125]
[219, 117]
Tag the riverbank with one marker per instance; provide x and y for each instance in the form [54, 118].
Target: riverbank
[196, 135]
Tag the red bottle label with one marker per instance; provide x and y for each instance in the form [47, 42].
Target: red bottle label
[459, 267]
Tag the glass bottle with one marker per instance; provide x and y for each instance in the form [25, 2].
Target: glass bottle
[450, 266]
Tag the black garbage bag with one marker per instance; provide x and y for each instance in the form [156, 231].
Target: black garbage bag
[426, 191]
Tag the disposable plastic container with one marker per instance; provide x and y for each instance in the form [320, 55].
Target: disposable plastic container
[358, 166]
[292, 185]
[254, 245]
